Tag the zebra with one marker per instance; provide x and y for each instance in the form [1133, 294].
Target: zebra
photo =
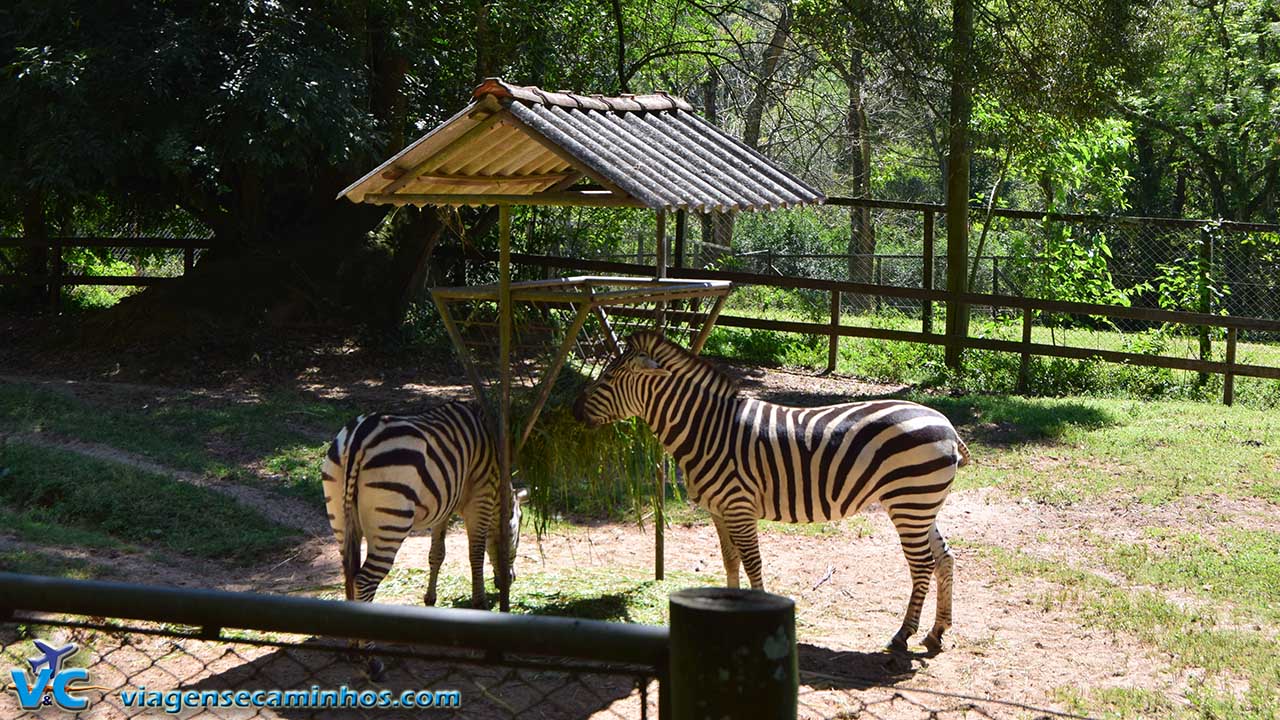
[387, 475]
[745, 459]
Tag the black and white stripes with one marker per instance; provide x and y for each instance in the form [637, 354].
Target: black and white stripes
[388, 475]
[744, 459]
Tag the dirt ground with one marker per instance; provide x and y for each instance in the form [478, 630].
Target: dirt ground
[1005, 656]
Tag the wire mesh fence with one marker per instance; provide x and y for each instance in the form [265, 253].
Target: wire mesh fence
[138, 669]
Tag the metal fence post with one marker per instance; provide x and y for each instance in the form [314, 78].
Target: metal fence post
[928, 269]
[833, 340]
[733, 655]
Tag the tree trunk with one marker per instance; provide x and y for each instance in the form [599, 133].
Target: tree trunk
[35, 229]
[486, 66]
[717, 227]
[961, 109]
[624, 86]
[862, 237]
[764, 78]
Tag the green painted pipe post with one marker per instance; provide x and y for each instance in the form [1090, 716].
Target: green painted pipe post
[733, 655]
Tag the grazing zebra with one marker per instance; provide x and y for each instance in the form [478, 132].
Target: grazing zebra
[387, 475]
[745, 459]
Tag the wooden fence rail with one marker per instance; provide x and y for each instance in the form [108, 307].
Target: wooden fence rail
[834, 330]
[57, 278]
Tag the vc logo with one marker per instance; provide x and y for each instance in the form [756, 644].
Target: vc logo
[49, 684]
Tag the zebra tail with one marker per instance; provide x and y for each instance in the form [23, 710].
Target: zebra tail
[351, 529]
[963, 451]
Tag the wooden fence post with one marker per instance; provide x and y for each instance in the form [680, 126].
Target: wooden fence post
[1204, 267]
[833, 340]
[733, 655]
[1024, 365]
[1229, 377]
[995, 285]
[928, 269]
[188, 259]
[55, 274]
[878, 264]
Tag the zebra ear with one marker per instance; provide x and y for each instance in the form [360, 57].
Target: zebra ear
[644, 365]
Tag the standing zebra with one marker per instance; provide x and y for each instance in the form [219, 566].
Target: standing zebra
[745, 459]
[387, 475]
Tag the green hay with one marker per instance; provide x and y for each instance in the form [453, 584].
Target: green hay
[571, 470]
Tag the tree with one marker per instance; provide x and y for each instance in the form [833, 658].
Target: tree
[1207, 113]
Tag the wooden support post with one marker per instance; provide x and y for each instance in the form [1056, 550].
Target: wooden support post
[733, 655]
[660, 245]
[660, 521]
[1024, 366]
[188, 259]
[833, 340]
[682, 218]
[504, 408]
[659, 509]
[928, 269]
[1229, 377]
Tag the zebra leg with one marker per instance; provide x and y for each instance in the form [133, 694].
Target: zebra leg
[436, 559]
[478, 537]
[742, 530]
[916, 547]
[729, 552]
[944, 565]
[377, 563]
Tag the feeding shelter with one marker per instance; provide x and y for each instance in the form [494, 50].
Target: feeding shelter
[521, 145]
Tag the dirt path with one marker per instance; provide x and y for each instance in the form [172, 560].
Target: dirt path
[280, 509]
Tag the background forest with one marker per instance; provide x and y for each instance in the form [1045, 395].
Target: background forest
[243, 120]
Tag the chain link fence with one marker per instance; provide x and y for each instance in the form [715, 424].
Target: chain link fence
[145, 669]
[446, 663]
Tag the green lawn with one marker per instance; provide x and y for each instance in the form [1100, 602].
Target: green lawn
[53, 497]
[1208, 637]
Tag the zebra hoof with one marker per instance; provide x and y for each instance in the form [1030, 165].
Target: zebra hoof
[376, 670]
[429, 599]
[933, 643]
[897, 645]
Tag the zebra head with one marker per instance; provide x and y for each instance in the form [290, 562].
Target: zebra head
[624, 388]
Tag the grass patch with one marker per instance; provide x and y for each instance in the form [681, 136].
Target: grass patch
[62, 498]
[591, 593]
[30, 562]
[1117, 703]
[1241, 566]
[1192, 637]
[285, 433]
[1065, 450]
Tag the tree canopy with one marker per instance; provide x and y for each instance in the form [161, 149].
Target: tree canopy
[249, 116]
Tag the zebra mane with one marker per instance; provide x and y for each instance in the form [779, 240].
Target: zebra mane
[653, 340]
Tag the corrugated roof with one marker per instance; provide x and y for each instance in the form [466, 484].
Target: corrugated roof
[525, 145]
